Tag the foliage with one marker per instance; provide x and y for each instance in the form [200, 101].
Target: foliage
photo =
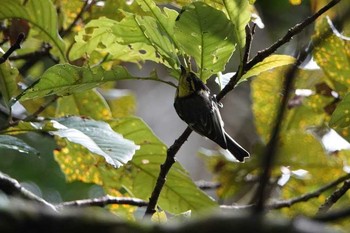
[99, 140]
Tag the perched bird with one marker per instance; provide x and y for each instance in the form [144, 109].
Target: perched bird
[194, 105]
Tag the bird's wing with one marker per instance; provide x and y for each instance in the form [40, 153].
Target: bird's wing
[210, 123]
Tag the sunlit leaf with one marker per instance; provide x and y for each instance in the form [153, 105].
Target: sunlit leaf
[65, 79]
[207, 35]
[123, 40]
[159, 29]
[13, 143]
[96, 136]
[268, 63]
[239, 14]
[41, 13]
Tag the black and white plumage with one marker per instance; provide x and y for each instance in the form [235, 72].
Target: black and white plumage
[194, 105]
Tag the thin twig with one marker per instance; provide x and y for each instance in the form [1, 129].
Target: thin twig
[307, 196]
[14, 47]
[332, 199]
[104, 201]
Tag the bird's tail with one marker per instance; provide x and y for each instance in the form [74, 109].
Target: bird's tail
[236, 150]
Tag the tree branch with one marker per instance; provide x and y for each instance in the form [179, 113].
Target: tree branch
[104, 201]
[164, 169]
[271, 147]
[267, 52]
[170, 159]
[289, 35]
[14, 47]
[11, 187]
[307, 196]
[333, 215]
[332, 199]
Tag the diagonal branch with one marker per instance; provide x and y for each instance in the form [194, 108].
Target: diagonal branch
[269, 51]
[332, 199]
[289, 35]
[307, 196]
[164, 169]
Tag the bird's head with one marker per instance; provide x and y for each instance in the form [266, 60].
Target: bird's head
[186, 84]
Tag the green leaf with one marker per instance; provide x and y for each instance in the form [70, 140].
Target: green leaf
[333, 55]
[159, 29]
[65, 79]
[8, 84]
[88, 103]
[165, 20]
[121, 102]
[139, 175]
[123, 40]
[41, 13]
[268, 63]
[179, 193]
[207, 35]
[266, 98]
[13, 143]
[239, 14]
[96, 136]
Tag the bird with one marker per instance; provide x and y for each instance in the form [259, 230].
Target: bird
[200, 110]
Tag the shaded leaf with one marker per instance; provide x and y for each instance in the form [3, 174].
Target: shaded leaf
[333, 55]
[8, 84]
[88, 103]
[65, 79]
[121, 102]
[41, 13]
[207, 35]
[139, 175]
[13, 143]
[98, 137]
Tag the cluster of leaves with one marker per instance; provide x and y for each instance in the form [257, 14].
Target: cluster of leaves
[100, 141]
[309, 154]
